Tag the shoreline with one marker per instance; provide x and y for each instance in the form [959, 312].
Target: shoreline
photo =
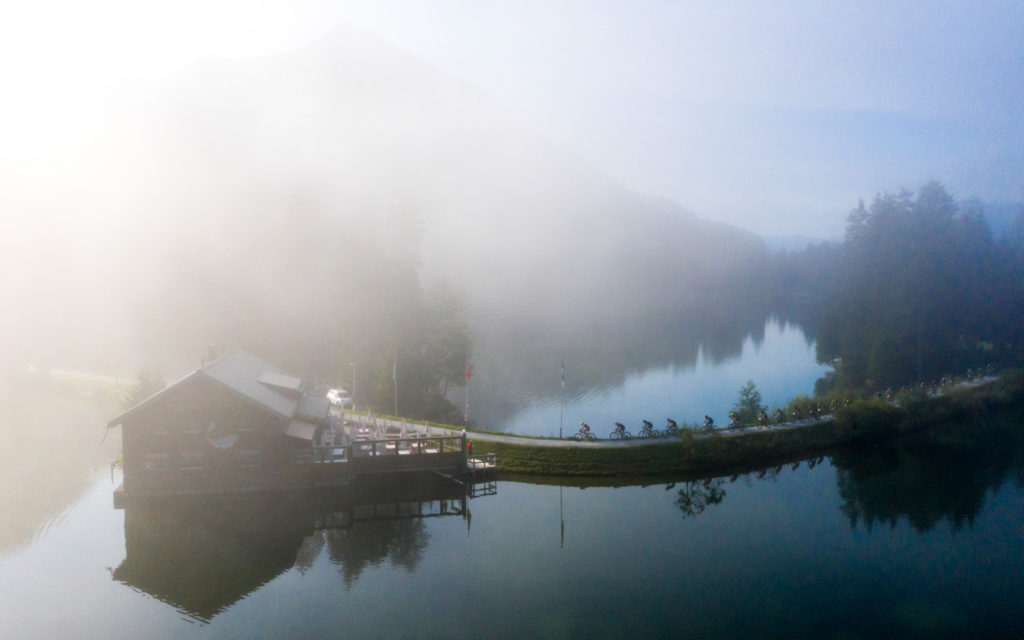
[863, 423]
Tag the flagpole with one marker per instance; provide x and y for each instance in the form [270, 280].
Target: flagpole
[561, 403]
[469, 370]
[561, 413]
[394, 379]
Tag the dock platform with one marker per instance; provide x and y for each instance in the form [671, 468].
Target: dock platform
[482, 464]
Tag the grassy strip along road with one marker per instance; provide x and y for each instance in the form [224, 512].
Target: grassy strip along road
[861, 423]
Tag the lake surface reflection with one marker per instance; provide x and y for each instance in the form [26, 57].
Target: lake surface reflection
[779, 358]
[919, 539]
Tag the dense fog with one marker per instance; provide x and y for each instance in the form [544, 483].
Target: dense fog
[347, 202]
[309, 199]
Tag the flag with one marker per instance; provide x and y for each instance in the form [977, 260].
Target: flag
[563, 374]
[394, 369]
[469, 369]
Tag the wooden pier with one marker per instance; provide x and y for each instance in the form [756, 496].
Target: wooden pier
[368, 433]
[335, 459]
[411, 453]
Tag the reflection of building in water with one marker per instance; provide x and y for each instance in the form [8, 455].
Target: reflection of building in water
[203, 555]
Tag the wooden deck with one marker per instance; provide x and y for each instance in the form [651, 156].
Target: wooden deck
[412, 440]
[339, 463]
[347, 450]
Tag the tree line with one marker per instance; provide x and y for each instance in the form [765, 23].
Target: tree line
[919, 288]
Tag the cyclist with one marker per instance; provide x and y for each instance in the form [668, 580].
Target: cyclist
[585, 428]
[671, 425]
[620, 428]
[708, 421]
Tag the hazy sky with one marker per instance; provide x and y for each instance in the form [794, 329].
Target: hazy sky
[775, 116]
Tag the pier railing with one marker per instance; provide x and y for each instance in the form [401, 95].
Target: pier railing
[483, 460]
[408, 453]
[405, 446]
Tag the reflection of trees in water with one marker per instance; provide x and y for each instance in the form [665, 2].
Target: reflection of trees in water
[941, 474]
[887, 498]
[309, 551]
[601, 354]
[944, 475]
[697, 495]
[694, 496]
[370, 543]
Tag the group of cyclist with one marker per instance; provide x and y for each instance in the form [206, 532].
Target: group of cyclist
[764, 418]
[970, 376]
[934, 387]
[671, 428]
[620, 432]
[814, 411]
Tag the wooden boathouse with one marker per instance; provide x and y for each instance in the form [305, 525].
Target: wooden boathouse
[240, 424]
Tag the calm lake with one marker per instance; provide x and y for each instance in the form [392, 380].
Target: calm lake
[778, 357]
[923, 539]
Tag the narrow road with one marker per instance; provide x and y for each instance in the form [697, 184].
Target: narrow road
[383, 423]
[602, 443]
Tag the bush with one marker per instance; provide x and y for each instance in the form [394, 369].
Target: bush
[686, 439]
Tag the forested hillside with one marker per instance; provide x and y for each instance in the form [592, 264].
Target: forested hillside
[923, 290]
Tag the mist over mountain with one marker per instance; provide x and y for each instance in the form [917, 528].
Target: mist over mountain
[790, 243]
[309, 198]
[1001, 217]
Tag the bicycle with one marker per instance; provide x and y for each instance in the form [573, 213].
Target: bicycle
[619, 432]
[584, 433]
[648, 431]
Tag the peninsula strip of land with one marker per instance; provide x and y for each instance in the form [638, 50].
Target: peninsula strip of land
[862, 423]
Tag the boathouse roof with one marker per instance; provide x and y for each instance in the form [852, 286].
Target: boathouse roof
[257, 380]
[253, 378]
